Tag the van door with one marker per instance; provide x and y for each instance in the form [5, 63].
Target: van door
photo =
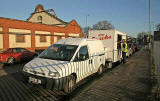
[83, 63]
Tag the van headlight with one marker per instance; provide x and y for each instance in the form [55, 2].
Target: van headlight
[54, 74]
[25, 68]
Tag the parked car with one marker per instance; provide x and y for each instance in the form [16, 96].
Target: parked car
[135, 47]
[131, 49]
[63, 64]
[12, 55]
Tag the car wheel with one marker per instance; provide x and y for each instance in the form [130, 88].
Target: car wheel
[100, 70]
[11, 60]
[70, 84]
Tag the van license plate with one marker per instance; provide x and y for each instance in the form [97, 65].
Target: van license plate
[34, 80]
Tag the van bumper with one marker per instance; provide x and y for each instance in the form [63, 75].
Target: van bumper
[48, 83]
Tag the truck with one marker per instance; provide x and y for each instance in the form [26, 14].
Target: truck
[63, 64]
[112, 41]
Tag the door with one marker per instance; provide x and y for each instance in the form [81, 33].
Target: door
[119, 39]
[83, 63]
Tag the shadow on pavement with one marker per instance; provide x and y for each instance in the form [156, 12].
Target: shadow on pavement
[132, 94]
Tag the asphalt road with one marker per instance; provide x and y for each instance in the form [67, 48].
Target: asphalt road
[125, 82]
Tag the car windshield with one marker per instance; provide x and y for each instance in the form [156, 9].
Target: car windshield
[4, 50]
[59, 52]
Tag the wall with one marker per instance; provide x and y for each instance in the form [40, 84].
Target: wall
[156, 54]
[1, 38]
[46, 19]
[58, 34]
[73, 35]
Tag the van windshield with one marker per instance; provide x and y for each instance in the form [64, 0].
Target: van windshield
[59, 52]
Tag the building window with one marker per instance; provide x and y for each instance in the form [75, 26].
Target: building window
[39, 19]
[43, 39]
[20, 38]
[59, 37]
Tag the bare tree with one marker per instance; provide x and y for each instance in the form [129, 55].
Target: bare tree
[158, 27]
[142, 37]
[103, 25]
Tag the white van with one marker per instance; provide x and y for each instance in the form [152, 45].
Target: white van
[65, 63]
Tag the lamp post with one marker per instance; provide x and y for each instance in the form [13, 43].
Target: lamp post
[149, 35]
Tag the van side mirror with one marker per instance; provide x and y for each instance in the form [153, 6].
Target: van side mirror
[82, 57]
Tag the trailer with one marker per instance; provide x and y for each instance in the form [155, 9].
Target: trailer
[112, 41]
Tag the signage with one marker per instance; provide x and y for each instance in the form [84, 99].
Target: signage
[102, 37]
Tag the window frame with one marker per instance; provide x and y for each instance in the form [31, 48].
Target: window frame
[42, 39]
[19, 39]
[39, 18]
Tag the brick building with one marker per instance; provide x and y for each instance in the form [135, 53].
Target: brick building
[41, 29]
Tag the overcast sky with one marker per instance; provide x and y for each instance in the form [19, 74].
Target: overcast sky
[130, 16]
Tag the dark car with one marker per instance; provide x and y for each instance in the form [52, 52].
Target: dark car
[12, 55]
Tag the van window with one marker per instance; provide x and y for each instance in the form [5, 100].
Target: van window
[82, 54]
[59, 52]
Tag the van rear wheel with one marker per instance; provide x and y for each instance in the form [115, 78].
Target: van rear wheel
[100, 70]
[109, 64]
[70, 85]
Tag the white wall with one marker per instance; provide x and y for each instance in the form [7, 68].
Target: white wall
[60, 34]
[46, 19]
[1, 29]
[156, 55]
[73, 35]
[12, 38]
[42, 44]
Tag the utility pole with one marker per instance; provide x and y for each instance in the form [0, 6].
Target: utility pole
[149, 35]
[87, 25]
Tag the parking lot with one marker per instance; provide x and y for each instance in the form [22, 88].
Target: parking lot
[125, 82]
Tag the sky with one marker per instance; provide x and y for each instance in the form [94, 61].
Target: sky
[129, 16]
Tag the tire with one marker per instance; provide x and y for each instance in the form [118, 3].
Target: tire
[100, 70]
[11, 60]
[109, 65]
[70, 85]
[120, 61]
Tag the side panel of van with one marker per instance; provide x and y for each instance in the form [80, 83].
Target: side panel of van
[82, 65]
[97, 55]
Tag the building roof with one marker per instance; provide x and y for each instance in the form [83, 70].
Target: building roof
[39, 9]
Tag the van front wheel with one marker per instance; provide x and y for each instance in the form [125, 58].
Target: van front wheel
[70, 84]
